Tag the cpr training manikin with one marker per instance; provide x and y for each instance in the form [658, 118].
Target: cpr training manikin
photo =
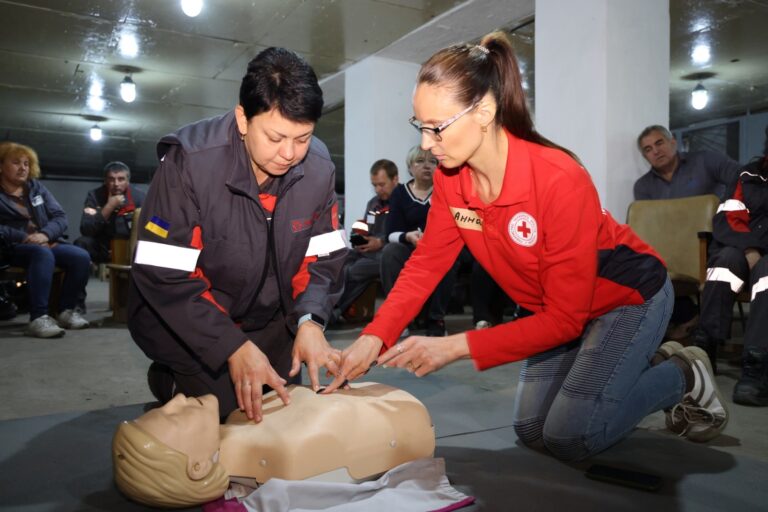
[178, 455]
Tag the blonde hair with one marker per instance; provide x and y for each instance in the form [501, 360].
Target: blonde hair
[151, 473]
[12, 149]
[416, 152]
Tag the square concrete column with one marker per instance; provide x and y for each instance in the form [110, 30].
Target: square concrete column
[377, 106]
[602, 75]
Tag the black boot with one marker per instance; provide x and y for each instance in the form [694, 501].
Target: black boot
[752, 387]
[701, 339]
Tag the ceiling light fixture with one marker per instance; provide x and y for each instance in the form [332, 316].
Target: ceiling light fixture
[96, 133]
[192, 7]
[128, 89]
[699, 97]
[128, 45]
[701, 54]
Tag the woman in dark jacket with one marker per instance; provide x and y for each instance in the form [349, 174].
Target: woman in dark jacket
[33, 223]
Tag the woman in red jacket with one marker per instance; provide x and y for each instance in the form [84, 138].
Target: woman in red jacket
[531, 216]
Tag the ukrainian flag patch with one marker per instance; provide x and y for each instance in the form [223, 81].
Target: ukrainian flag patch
[158, 226]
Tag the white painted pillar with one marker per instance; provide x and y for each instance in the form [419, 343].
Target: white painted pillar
[602, 75]
[377, 105]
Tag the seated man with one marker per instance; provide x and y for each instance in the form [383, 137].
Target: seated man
[675, 174]
[739, 257]
[178, 455]
[108, 212]
[364, 261]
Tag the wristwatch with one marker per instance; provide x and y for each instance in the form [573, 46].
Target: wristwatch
[311, 317]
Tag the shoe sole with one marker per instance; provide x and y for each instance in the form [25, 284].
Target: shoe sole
[698, 353]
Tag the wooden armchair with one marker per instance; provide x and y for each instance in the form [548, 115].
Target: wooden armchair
[122, 256]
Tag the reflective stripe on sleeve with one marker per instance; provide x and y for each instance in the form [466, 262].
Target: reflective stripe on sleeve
[760, 286]
[732, 205]
[726, 276]
[166, 256]
[325, 244]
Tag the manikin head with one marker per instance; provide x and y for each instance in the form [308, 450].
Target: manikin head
[165, 458]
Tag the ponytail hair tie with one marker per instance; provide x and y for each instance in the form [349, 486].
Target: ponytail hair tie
[482, 49]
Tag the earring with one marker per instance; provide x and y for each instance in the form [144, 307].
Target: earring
[483, 129]
[242, 136]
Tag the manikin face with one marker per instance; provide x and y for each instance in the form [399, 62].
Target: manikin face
[432, 105]
[274, 143]
[188, 425]
[382, 185]
[116, 182]
[658, 150]
[15, 169]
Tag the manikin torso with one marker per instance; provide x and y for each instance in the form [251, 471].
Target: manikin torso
[347, 436]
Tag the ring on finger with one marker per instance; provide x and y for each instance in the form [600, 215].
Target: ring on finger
[400, 349]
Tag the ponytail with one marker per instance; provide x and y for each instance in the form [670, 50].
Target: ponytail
[472, 70]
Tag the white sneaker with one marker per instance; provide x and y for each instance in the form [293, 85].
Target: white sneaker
[72, 319]
[703, 413]
[44, 327]
[483, 324]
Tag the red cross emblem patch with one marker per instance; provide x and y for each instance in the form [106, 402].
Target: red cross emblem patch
[522, 229]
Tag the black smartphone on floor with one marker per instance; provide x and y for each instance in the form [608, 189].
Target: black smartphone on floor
[625, 477]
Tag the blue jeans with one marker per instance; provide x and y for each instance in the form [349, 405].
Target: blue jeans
[40, 262]
[580, 398]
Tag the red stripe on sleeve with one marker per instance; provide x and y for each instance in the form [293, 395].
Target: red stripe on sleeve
[197, 243]
[335, 216]
[300, 280]
[738, 220]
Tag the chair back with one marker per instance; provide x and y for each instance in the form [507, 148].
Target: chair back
[134, 238]
[671, 226]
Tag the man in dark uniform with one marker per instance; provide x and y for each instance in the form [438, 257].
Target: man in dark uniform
[240, 252]
[108, 212]
[364, 261]
[738, 259]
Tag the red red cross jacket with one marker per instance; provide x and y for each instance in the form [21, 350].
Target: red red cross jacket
[545, 240]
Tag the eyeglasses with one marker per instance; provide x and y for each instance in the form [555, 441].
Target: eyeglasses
[435, 132]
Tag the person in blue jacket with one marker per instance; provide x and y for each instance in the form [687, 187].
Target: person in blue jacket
[33, 223]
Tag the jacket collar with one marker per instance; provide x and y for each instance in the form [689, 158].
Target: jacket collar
[516, 187]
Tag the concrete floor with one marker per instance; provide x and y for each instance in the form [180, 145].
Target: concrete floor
[101, 368]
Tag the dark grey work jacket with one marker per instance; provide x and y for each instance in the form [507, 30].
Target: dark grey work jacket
[45, 210]
[204, 197]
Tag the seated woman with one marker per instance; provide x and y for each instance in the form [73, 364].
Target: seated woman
[406, 222]
[33, 222]
[179, 455]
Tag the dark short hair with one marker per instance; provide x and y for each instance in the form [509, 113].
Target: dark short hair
[278, 78]
[116, 165]
[385, 165]
[663, 131]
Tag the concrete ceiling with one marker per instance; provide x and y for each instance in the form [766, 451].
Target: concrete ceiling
[52, 52]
